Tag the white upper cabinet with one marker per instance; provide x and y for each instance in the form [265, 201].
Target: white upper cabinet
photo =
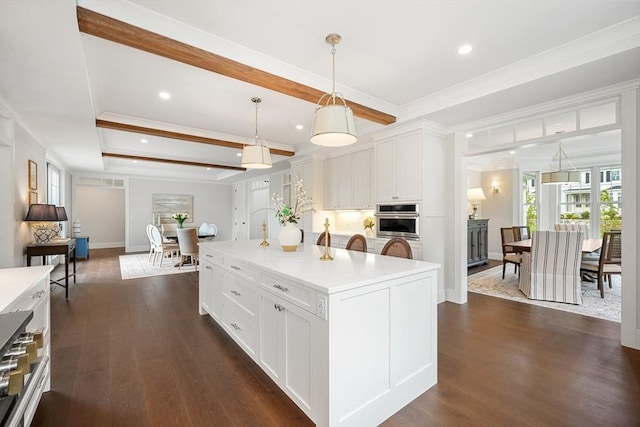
[348, 181]
[398, 162]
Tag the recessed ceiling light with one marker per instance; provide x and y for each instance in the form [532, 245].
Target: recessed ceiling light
[135, 161]
[469, 135]
[239, 154]
[299, 127]
[144, 141]
[208, 169]
[464, 49]
[164, 95]
[512, 152]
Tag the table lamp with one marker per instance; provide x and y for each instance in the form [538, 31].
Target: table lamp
[62, 216]
[42, 217]
[474, 195]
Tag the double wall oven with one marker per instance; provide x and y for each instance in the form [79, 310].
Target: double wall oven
[398, 220]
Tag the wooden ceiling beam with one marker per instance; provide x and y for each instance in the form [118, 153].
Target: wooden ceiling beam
[105, 124]
[172, 161]
[107, 28]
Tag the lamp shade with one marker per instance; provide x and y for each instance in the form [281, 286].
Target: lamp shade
[42, 213]
[560, 177]
[333, 126]
[475, 194]
[61, 213]
[256, 157]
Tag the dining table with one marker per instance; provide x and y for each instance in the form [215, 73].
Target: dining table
[588, 245]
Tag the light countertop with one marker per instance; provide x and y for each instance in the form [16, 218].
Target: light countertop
[15, 281]
[347, 270]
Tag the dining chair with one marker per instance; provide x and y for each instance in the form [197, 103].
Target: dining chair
[320, 241]
[152, 247]
[207, 231]
[397, 247]
[551, 271]
[357, 242]
[521, 232]
[162, 247]
[168, 231]
[509, 253]
[609, 262]
[583, 228]
[188, 242]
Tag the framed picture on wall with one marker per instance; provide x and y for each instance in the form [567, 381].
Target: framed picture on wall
[33, 197]
[33, 176]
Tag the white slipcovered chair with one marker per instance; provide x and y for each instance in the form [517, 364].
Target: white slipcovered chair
[551, 271]
[188, 241]
[169, 231]
[584, 228]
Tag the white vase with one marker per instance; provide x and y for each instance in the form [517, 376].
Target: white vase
[289, 237]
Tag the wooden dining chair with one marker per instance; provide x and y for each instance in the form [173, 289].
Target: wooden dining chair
[357, 242]
[521, 232]
[609, 262]
[320, 241]
[509, 253]
[397, 247]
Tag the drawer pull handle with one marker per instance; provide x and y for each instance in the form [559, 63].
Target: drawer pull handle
[278, 307]
[38, 294]
[208, 267]
[282, 288]
[209, 256]
[236, 327]
[236, 293]
[235, 267]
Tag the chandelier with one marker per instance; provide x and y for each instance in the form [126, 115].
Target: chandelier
[561, 176]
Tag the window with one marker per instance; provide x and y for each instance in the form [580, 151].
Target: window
[53, 185]
[575, 201]
[529, 208]
[587, 176]
[610, 203]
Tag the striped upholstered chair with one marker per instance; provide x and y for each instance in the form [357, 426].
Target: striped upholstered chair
[551, 271]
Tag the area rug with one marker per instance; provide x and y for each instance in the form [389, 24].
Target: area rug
[138, 265]
[489, 282]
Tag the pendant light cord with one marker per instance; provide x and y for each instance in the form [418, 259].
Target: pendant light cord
[333, 74]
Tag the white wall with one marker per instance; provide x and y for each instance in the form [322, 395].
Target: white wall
[101, 212]
[211, 204]
[499, 208]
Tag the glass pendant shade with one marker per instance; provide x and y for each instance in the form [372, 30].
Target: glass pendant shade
[333, 126]
[256, 157]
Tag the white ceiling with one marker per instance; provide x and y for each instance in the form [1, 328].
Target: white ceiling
[396, 56]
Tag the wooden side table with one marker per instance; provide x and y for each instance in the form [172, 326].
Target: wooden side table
[66, 247]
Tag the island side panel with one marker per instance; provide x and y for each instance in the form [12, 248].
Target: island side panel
[383, 348]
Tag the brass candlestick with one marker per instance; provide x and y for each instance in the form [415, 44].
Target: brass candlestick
[326, 256]
[264, 234]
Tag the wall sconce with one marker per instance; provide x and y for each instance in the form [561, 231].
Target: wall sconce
[494, 187]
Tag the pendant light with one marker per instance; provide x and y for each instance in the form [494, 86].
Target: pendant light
[256, 155]
[333, 122]
[561, 176]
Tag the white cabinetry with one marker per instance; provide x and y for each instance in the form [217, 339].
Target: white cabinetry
[311, 173]
[398, 168]
[348, 181]
[210, 285]
[287, 339]
[350, 345]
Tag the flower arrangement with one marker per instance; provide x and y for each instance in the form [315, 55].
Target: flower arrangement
[287, 214]
[368, 223]
[180, 217]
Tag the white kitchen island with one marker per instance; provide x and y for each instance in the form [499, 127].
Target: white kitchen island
[351, 341]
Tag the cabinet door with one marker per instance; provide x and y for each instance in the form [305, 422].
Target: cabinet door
[362, 179]
[286, 350]
[206, 286]
[330, 184]
[408, 170]
[344, 183]
[385, 175]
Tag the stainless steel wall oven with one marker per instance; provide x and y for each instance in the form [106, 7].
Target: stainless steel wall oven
[398, 220]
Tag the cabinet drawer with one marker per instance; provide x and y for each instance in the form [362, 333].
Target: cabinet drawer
[240, 327]
[242, 269]
[242, 293]
[212, 257]
[30, 298]
[299, 295]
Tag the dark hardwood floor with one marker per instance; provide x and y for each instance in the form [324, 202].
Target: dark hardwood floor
[136, 353]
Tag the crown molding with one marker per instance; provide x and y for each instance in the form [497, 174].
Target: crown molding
[600, 44]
